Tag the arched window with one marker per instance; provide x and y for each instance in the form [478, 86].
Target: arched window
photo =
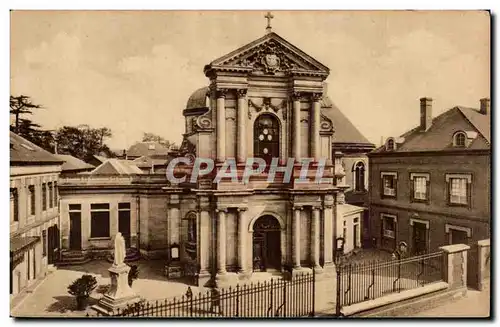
[266, 133]
[390, 145]
[459, 139]
[359, 176]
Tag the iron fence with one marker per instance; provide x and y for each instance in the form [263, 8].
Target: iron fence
[271, 298]
[370, 280]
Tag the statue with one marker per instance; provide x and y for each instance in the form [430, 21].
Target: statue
[119, 250]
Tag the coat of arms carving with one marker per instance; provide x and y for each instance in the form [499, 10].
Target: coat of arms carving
[271, 62]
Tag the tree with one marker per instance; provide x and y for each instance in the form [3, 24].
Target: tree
[151, 137]
[21, 105]
[82, 141]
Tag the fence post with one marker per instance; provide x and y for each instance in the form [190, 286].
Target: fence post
[237, 300]
[339, 289]
[455, 266]
[313, 292]
[189, 295]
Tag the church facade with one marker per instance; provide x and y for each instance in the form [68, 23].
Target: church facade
[264, 100]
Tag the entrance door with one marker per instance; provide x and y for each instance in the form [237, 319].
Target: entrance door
[458, 237]
[266, 244]
[419, 238]
[124, 226]
[75, 231]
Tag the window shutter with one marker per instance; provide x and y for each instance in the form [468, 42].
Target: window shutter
[427, 191]
[381, 187]
[395, 182]
[412, 190]
[469, 195]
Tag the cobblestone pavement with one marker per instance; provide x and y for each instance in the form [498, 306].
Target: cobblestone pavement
[474, 304]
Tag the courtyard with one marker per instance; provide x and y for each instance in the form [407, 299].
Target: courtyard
[51, 299]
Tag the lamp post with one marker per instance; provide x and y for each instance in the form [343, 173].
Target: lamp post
[398, 252]
[339, 254]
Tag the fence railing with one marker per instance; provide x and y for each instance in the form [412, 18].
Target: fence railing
[371, 280]
[271, 298]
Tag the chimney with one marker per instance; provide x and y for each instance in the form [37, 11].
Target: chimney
[485, 106]
[124, 154]
[425, 113]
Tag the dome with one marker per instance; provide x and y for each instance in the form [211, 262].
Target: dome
[198, 99]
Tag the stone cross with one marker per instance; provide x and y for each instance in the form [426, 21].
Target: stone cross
[269, 16]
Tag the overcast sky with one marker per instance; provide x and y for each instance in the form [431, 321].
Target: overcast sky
[134, 71]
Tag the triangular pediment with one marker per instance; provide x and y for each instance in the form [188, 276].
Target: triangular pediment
[270, 54]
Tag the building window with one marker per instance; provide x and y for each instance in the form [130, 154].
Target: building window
[44, 197]
[44, 244]
[459, 188]
[56, 201]
[460, 139]
[419, 183]
[458, 234]
[390, 145]
[359, 177]
[51, 195]
[388, 226]
[266, 137]
[99, 216]
[389, 184]
[14, 205]
[31, 190]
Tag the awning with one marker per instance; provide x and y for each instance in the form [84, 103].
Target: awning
[17, 245]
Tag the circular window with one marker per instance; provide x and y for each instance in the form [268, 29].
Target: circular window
[265, 150]
[265, 131]
[261, 137]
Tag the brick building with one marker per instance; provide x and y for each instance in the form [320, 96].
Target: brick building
[34, 213]
[431, 186]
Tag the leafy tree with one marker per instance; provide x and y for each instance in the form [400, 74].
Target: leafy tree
[151, 137]
[19, 106]
[83, 141]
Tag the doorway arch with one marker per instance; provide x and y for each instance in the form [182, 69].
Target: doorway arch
[266, 244]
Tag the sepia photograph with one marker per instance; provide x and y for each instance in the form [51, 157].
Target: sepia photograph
[246, 164]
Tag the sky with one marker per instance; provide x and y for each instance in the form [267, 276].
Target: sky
[133, 71]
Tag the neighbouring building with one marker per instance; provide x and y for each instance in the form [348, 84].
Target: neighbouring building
[146, 149]
[266, 99]
[352, 147]
[34, 213]
[431, 186]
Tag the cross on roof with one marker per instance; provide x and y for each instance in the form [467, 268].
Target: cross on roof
[269, 16]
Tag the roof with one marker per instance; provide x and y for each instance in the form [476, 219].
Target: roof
[147, 149]
[439, 137]
[148, 162]
[25, 152]
[345, 132]
[73, 163]
[116, 167]
[20, 242]
[100, 158]
[198, 99]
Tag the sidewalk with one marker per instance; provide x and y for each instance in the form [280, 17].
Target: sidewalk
[474, 305]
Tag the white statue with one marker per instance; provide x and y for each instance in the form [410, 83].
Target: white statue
[119, 249]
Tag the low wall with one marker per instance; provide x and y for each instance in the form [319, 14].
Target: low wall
[483, 264]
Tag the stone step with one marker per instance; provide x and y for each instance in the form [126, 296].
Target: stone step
[131, 255]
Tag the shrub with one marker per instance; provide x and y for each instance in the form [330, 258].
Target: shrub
[81, 289]
[133, 274]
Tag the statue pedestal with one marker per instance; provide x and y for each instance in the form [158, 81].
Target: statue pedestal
[119, 294]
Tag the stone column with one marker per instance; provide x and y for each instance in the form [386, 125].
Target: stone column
[296, 125]
[454, 268]
[204, 237]
[328, 229]
[296, 236]
[221, 125]
[242, 112]
[242, 240]
[174, 219]
[316, 121]
[221, 240]
[315, 246]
